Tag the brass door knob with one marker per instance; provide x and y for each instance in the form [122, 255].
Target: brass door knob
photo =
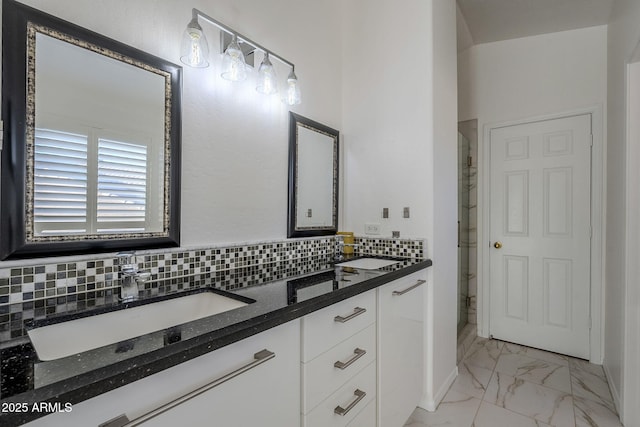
[497, 245]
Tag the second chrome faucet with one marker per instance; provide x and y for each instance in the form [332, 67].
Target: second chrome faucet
[130, 276]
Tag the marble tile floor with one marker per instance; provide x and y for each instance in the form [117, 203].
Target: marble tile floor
[507, 385]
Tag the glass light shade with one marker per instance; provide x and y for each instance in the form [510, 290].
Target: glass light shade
[293, 90]
[267, 79]
[234, 67]
[195, 49]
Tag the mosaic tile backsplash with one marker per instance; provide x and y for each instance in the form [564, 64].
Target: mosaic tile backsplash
[32, 292]
[403, 248]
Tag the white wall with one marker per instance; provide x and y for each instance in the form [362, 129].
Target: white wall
[445, 199]
[235, 141]
[400, 142]
[533, 76]
[623, 37]
[386, 121]
[631, 337]
[464, 38]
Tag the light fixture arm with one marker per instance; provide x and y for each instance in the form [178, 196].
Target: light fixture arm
[199, 14]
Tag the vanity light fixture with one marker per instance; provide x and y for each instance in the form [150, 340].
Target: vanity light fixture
[267, 80]
[195, 49]
[195, 52]
[293, 89]
[234, 67]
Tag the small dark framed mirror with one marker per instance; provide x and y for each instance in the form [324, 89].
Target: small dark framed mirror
[313, 178]
[92, 129]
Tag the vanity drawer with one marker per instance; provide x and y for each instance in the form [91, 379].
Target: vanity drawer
[351, 398]
[321, 377]
[325, 328]
[246, 397]
[366, 418]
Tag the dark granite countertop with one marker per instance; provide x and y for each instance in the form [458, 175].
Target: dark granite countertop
[26, 379]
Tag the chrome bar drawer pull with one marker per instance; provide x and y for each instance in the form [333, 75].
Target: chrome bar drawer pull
[123, 421]
[357, 354]
[410, 288]
[344, 411]
[356, 312]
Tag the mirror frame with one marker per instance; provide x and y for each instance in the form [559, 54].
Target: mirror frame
[293, 230]
[13, 194]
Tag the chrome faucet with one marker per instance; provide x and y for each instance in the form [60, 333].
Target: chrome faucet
[130, 276]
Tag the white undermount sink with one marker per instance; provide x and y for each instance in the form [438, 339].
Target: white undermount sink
[64, 339]
[368, 263]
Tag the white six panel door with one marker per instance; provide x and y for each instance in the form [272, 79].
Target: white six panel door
[540, 229]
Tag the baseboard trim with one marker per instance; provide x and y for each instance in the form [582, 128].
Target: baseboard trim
[431, 403]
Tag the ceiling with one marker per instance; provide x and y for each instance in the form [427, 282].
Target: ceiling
[494, 20]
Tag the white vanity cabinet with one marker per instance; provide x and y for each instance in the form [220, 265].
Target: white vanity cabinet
[380, 335]
[339, 364]
[400, 348]
[264, 394]
[356, 363]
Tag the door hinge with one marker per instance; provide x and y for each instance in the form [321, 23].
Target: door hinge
[468, 302]
[469, 161]
[591, 140]
[1, 133]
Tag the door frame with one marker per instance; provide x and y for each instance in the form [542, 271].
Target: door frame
[597, 223]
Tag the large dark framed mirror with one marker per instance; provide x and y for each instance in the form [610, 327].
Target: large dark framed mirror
[92, 129]
[313, 178]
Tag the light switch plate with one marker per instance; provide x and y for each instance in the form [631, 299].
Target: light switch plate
[372, 229]
[405, 213]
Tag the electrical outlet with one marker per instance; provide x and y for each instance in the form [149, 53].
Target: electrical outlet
[373, 229]
[405, 213]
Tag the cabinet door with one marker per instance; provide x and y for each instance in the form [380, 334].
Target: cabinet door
[267, 394]
[400, 348]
